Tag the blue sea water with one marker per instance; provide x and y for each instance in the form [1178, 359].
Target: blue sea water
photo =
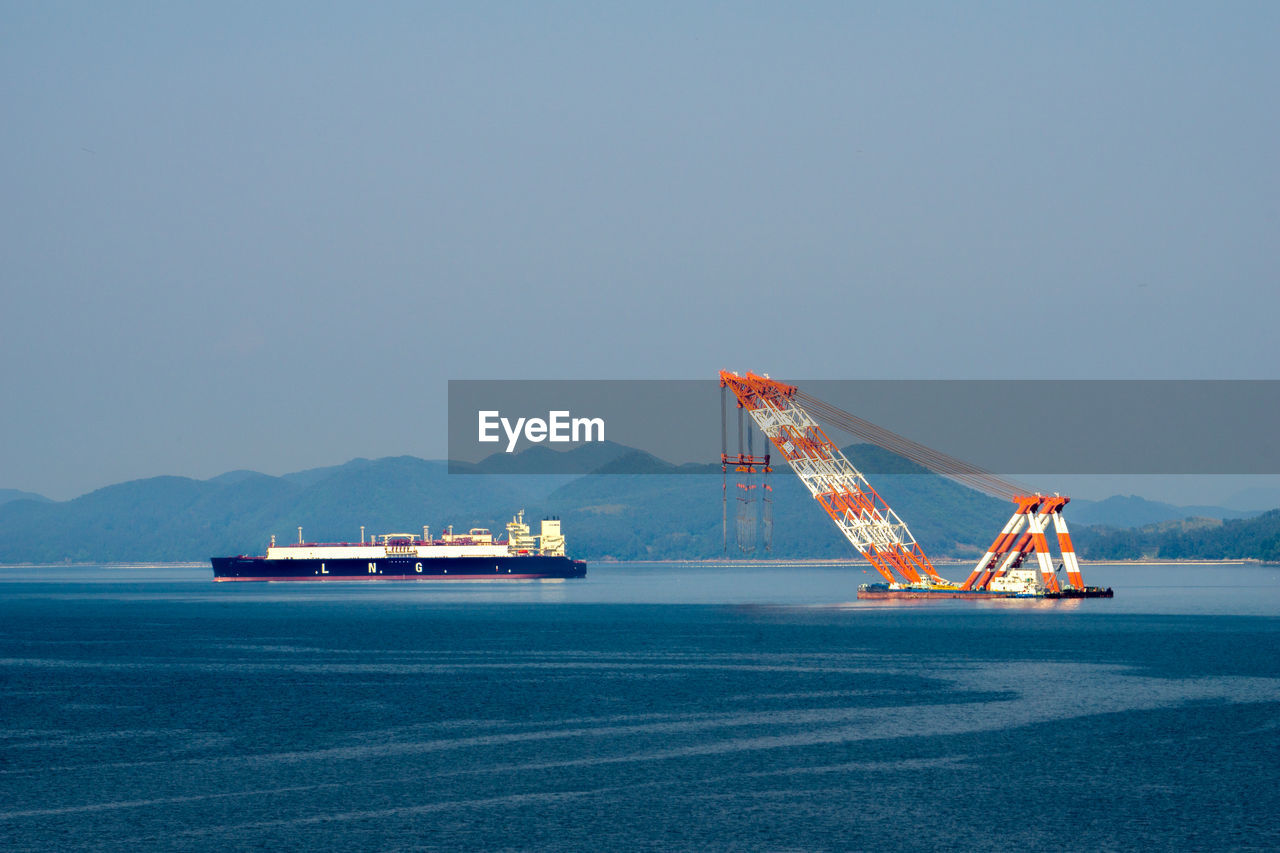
[647, 707]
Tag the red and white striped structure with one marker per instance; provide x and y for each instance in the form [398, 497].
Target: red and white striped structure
[1014, 543]
[863, 516]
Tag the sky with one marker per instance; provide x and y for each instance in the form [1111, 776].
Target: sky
[265, 235]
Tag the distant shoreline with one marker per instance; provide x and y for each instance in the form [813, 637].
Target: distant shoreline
[128, 565]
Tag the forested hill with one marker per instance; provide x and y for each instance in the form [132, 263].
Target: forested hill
[1189, 539]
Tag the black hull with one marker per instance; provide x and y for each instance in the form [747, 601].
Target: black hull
[879, 591]
[1087, 592]
[534, 567]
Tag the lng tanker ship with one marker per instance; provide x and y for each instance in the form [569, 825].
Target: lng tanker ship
[474, 556]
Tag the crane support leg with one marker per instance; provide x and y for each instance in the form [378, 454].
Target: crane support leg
[1068, 551]
[992, 565]
[1010, 548]
[986, 566]
[1043, 557]
[1013, 545]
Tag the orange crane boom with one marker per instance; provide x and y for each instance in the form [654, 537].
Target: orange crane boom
[861, 514]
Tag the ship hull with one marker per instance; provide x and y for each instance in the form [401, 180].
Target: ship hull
[521, 568]
[878, 592]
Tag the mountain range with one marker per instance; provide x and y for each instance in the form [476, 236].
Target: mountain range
[7, 495]
[609, 510]
[1134, 511]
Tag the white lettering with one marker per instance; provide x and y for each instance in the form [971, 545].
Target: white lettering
[587, 424]
[373, 567]
[488, 423]
[323, 570]
[417, 567]
[559, 427]
[559, 423]
[512, 434]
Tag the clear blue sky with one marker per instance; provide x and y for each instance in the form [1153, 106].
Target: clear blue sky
[264, 235]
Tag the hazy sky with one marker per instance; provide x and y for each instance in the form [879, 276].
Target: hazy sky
[264, 235]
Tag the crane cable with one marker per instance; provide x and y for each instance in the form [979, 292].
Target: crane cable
[936, 461]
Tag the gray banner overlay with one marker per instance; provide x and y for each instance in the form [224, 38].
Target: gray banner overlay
[1003, 426]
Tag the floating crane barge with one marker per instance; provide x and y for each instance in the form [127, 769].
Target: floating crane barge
[782, 413]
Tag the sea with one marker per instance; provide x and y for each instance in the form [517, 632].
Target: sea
[745, 706]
